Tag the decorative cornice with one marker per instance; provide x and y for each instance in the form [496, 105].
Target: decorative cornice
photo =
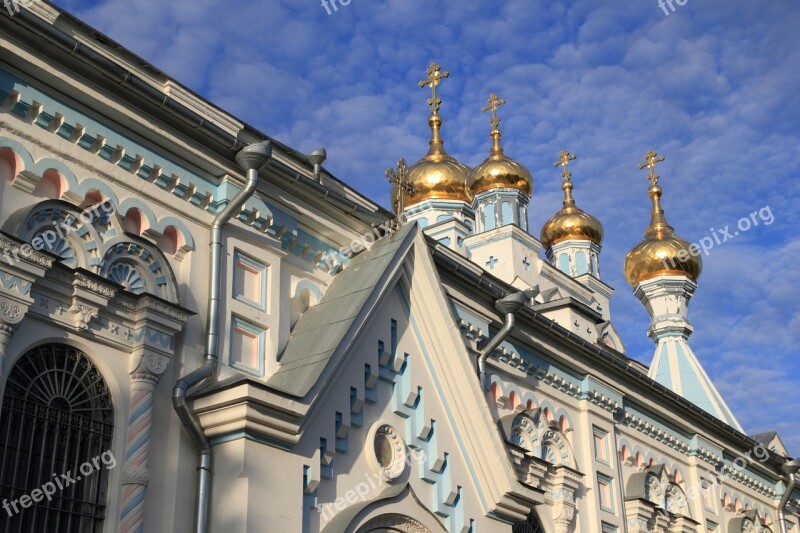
[166, 310]
[648, 428]
[43, 260]
[151, 167]
[106, 290]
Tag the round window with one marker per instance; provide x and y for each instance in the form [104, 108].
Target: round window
[389, 452]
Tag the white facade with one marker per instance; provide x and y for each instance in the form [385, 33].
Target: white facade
[346, 398]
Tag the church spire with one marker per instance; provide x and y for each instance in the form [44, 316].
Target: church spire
[664, 276]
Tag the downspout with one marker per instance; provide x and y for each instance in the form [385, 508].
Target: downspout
[789, 468]
[251, 159]
[508, 305]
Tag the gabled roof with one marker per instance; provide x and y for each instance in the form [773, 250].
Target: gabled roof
[343, 309]
[318, 349]
[772, 441]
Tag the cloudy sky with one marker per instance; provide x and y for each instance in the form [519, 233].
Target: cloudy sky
[714, 86]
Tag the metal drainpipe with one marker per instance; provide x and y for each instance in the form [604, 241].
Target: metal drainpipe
[508, 305]
[251, 159]
[789, 468]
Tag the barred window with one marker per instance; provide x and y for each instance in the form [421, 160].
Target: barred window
[57, 415]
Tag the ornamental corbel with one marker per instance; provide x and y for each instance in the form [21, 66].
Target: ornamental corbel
[84, 314]
[148, 362]
[11, 311]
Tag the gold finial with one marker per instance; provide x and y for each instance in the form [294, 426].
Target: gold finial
[494, 103]
[658, 223]
[564, 158]
[435, 75]
[399, 178]
[651, 160]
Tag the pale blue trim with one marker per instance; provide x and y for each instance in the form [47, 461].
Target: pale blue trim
[240, 257]
[440, 392]
[260, 333]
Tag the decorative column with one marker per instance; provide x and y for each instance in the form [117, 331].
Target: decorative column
[21, 266]
[639, 516]
[6, 332]
[146, 368]
[563, 482]
[661, 521]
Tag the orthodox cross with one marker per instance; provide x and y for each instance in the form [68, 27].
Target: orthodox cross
[405, 188]
[564, 158]
[651, 160]
[435, 75]
[494, 103]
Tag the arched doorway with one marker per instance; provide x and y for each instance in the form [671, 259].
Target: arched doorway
[393, 523]
[57, 416]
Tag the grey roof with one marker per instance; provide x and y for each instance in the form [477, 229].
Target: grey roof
[321, 330]
[764, 438]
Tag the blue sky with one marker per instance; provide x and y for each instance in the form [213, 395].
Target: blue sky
[713, 86]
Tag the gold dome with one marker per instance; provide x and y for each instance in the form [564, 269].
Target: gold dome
[499, 171]
[661, 251]
[571, 222]
[438, 175]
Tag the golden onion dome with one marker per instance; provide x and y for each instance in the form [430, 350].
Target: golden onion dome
[438, 175]
[499, 171]
[571, 222]
[661, 251]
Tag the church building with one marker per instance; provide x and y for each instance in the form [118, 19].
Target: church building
[203, 330]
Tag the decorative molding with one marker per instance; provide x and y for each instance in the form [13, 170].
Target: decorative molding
[12, 283]
[43, 260]
[394, 522]
[167, 310]
[95, 286]
[147, 362]
[649, 429]
[11, 312]
[84, 315]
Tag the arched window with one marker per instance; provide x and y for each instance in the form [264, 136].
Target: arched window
[531, 525]
[506, 214]
[580, 263]
[57, 417]
[393, 523]
[563, 264]
[488, 217]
